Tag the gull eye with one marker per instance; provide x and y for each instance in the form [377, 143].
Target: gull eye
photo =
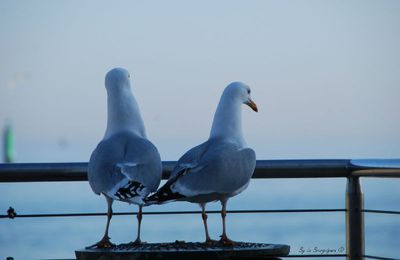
[248, 91]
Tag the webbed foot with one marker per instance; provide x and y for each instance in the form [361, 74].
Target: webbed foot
[210, 242]
[103, 243]
[225, 241]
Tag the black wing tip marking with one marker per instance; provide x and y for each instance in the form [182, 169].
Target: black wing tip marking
[163, 195]
[130, 190]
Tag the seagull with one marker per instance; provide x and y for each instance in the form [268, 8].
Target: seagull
[125, 165]
[219, 168]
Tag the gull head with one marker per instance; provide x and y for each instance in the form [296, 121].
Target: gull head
[117, 78]
[240, 92]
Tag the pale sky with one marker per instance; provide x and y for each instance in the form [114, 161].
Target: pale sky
[324, 74]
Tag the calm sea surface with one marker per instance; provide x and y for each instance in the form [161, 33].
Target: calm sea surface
[56, 238]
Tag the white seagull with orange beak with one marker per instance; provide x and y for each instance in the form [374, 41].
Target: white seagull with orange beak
[219, 168]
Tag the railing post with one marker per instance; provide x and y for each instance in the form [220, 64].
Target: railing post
[354, 219]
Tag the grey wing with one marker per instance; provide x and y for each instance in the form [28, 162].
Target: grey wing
[188, 161]
[224, 169]
[142, 163]
[101, 168]
[125, 168]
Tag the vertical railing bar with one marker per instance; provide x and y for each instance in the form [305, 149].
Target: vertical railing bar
[355, 239]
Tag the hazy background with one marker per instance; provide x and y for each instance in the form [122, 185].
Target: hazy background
[324, 74]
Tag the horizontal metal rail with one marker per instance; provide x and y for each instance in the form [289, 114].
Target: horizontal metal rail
[315, 256]
[381, 211]
[42, 172]
[172, 213]
[379, 257]
[31, 172]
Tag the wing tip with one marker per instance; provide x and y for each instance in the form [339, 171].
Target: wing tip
[130, 191]
[162, 196]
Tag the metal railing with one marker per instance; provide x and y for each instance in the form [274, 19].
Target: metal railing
[352, 170]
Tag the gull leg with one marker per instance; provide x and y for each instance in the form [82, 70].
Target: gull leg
[208, 241]
[139, 218]
[105, 241]
[225, 241]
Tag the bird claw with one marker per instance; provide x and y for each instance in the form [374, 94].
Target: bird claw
[210, 242]
[225, 241]
[103, 243]
[136, 243]
[180, 242]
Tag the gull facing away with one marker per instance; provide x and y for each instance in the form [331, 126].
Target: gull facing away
[219, 168]
[125, 165]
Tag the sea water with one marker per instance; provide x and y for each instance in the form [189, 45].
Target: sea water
[306, 233]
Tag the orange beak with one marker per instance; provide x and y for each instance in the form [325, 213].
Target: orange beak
[251, 104]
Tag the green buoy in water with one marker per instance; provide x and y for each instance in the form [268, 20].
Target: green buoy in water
[8, 144]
